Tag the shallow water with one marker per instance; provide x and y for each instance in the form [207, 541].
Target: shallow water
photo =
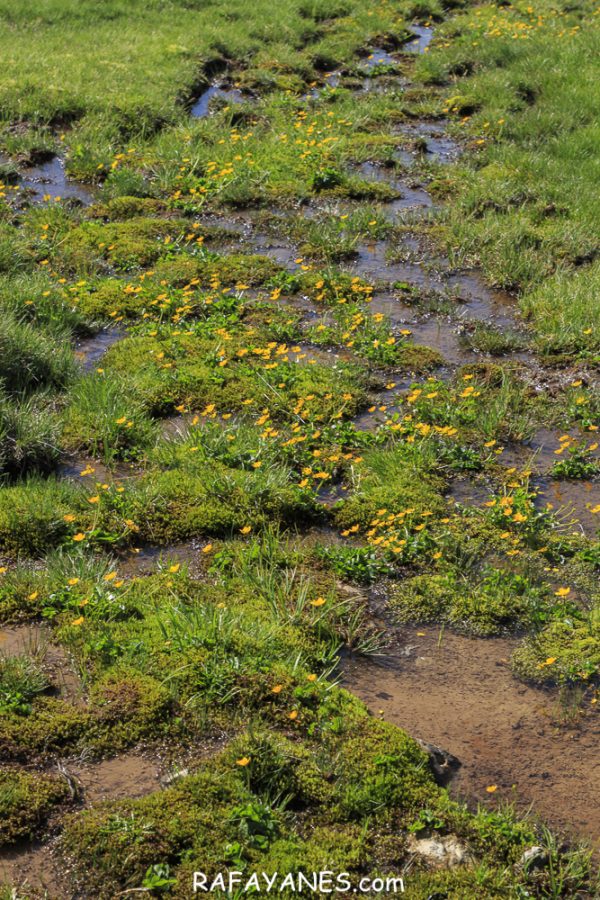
[572, 502]
[91, 350]
[378, 57]
[423, 38]
[201, 106]
[49, 182]
[459, 694]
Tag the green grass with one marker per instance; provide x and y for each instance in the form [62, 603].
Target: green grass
[525, 202]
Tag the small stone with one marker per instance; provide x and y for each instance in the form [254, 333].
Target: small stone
[444, 851]
[534, 858]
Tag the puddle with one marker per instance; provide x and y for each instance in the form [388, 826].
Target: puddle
[33, 867]
[378, 57]
[423, 37]
[49, 182]
[572, 501]
[459, 694]
[146, 560]
[484, 303]
[410, 196]
[87, 471]
[91, 350]
[444, 338]
[439, 146]
[468, 492]
[542, 445]
[201, 107]
[128, 775]
[35, 640]
[24, 639]
[371, 263]
[384, 405]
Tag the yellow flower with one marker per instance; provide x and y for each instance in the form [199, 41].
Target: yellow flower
[562, 592]
[246, 529]
[73, 581]
[110, 576]
[3, 569]
[34, 595]
[69, 518]
[243, 761]
[492, 788]
[78, 621]
[293, 715]
[277, 689]
[311, 677]
[318, 602]
[207, 549]
[79, 537]
[174, 568]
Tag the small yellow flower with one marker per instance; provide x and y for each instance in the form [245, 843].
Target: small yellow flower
[246, 529]
[174, 568]
[243, 761]
[79, 537]
[73, 581]
[78, 621]
[318, 602]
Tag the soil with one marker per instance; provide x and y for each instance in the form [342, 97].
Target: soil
[459, 694]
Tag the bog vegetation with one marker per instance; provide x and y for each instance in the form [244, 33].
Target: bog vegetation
[222, 419]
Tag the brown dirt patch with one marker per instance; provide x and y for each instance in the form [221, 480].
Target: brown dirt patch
[462, 696]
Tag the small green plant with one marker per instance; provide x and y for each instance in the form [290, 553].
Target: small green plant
[579, 464]
[21, 680]
[158, 878]
[361, 564]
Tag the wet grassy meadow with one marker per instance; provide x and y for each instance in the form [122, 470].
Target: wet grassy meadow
[298, 443]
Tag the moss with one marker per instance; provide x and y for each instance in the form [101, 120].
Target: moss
[32, 515]
[52, 726]
[171, 506]
[280, 767]
[417, 358]
[138, 242]
[380, 771]
[251, 269]
[392, 482]
[123, 208]
[113, 845]
[125, 708]
[197, 370]
[26, 799]
[490, 604]
[562, 652]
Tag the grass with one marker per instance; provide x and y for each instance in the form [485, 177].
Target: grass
[525, 203]
[227, 437]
